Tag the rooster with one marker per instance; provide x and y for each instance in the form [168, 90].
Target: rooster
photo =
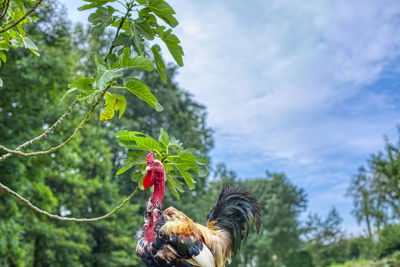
[170, 238]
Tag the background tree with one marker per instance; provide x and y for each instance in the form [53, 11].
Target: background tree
[326, 238]
[281, 202]
[80, 179]
[385, 167]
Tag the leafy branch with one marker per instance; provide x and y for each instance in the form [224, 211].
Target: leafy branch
[41, 136]
[4, 9]
[179, 163]
[68, 219]
[23, 17]
[132, 37]
[69, 139]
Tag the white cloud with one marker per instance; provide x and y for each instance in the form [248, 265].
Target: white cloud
[288, 84]
[275, 75]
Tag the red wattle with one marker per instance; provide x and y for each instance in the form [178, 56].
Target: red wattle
[146, 180]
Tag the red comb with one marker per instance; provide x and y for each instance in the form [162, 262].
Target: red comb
[150, 158]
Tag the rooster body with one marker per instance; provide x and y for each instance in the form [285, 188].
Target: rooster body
[170, 238]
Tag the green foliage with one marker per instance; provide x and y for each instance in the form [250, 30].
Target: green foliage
[178, 162]
[11, 36]
[132, 32]
[389, 240]
[159, 61]
[113, 103]
[281, 202]
[389, 261]
[362, 248]
[325, 238]
[137, 62]
[79, 180]
[141, 90]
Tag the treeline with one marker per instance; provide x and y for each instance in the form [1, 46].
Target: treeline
[376, 189]
[79, 180]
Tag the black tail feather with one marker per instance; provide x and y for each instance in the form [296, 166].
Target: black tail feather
[232, 212]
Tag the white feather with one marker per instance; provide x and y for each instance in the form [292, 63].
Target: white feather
[205, 258]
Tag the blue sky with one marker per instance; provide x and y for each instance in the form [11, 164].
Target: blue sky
[308, 88]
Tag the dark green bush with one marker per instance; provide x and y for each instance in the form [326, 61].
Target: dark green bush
[389, 240]
[362, 248]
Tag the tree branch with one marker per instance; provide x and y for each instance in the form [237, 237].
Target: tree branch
[4, 9]
[68, 219]
[118, 29]
[69, 139]
[21, 19]
[44, 134]
[81, 124]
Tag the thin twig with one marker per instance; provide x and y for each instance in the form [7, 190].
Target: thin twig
[21, 19]
[118, 29]
[80, 126]
[4, 9]
[68, 219]
[41, 136]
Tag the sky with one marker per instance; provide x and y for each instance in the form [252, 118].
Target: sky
[308, 88]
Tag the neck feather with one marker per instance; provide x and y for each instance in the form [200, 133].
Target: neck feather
[156, 206]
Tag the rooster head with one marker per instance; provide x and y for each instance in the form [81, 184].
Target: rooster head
[155, 172]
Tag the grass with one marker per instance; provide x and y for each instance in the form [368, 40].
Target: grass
[390, 261]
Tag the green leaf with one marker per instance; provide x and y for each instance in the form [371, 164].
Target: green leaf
[146, 143]
[140, 62]
[124, 169]
[201, 159]
[122, 39]
[171, 180]
[107, 113]
[160, 7]
[95, 3]
[137, 140]
[137, 157]
[175, 143]
[104, 75]
[98, 29]
[67, 93]
[137, 175]
[113, 103]
[101, 15]
[185, 161]
[3, 57]
[159, 61]
[188, 179]
[85, 7]
[133, 31]
[121, 104]
[30, 45]
[163, 138]
[141, 90]
[164, 11]
[143, 27]
[176, 194]
[148, 16]
[169, 19]
[202, 170]
[113, 61]
[172, 42]
[84, 84]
